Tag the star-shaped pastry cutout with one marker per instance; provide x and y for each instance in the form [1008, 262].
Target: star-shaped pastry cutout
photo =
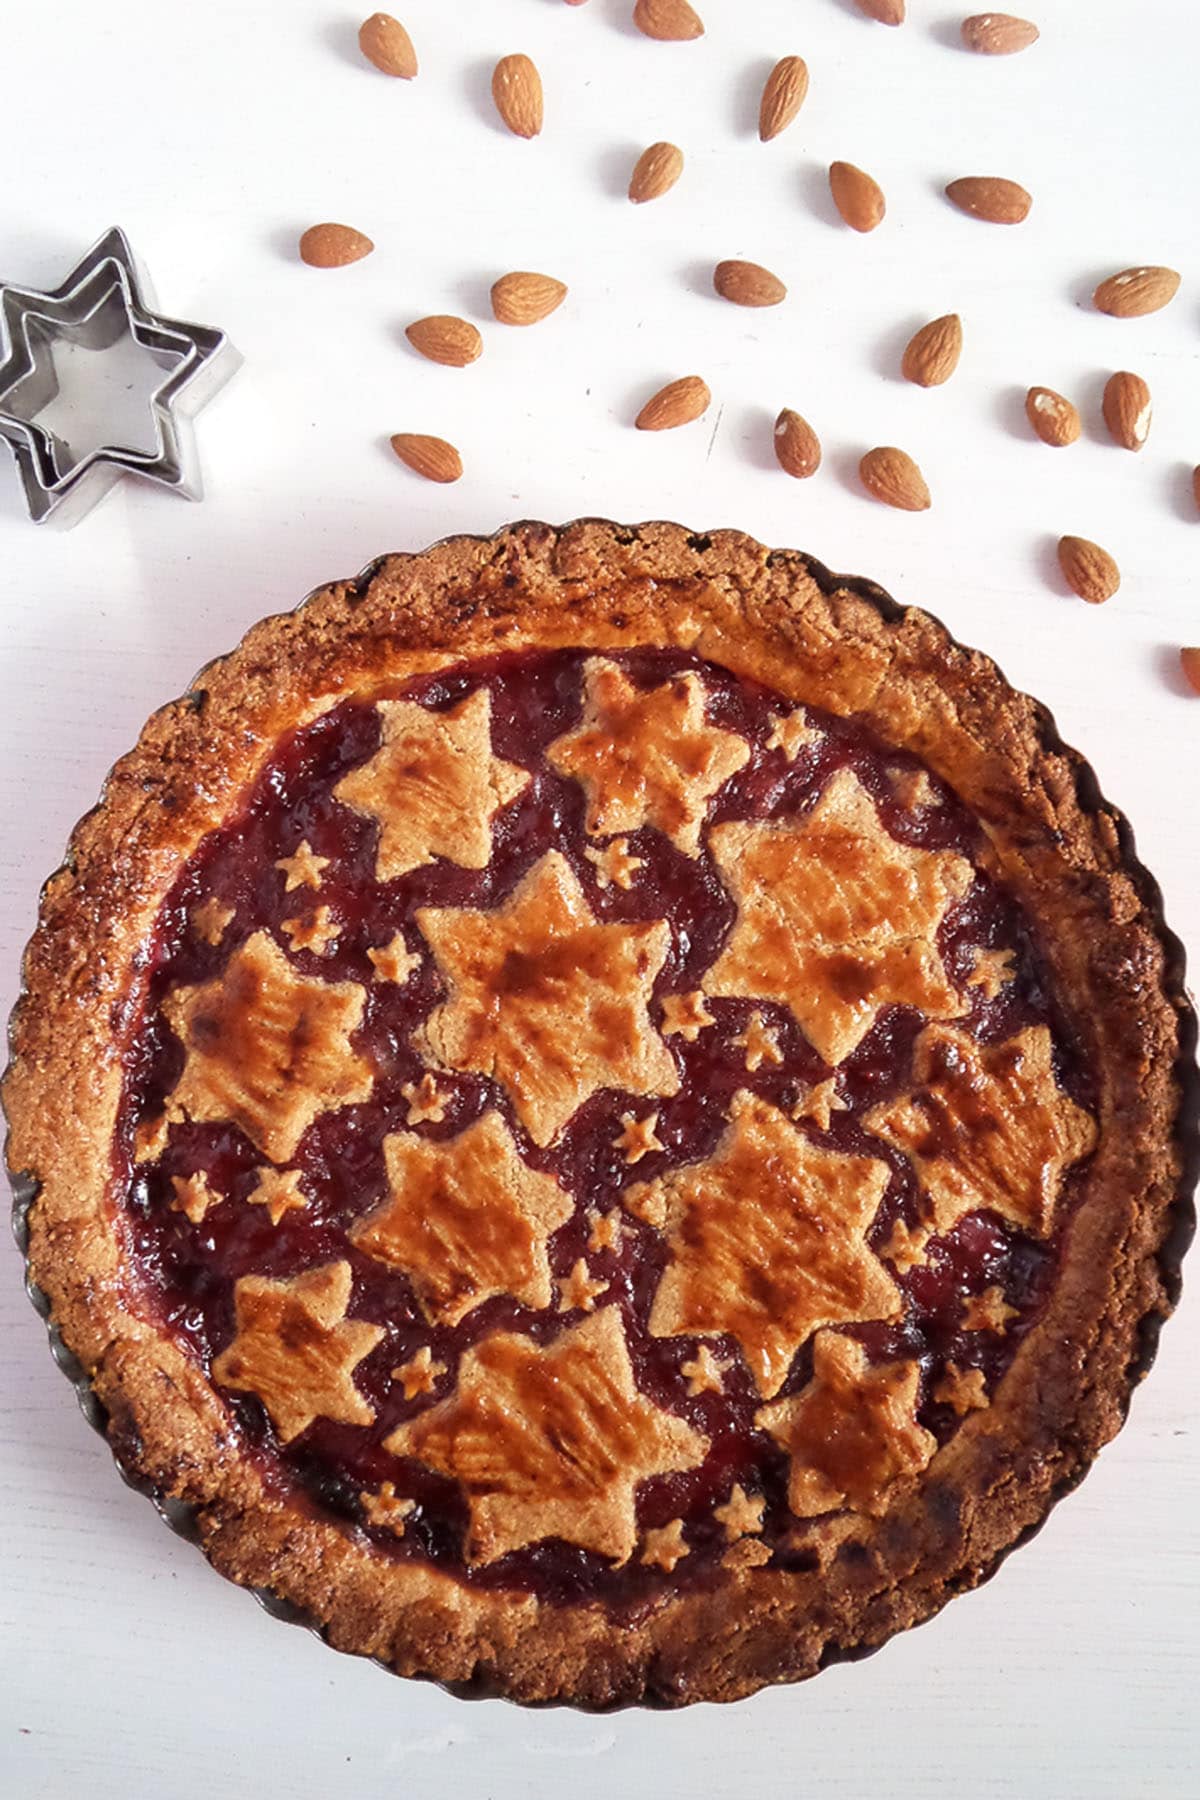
[704, 1373]
[766, 1241]
[317, 933]
[302, 868]
[988, 1311]
[267, 1048]
[992, 971]
[433, 786]
[852, 1433]
[791, 733]
[904, 1248]
[279, 1191]
[419, 1375]
[639, 1137]
[296, 1349]
[820, 1103]
[663, 1546]
[742, 1513]
[685, 1016]
[426, 1101]
[614, 866]
[193, 1197]
[646, 756]
[387, 1509]
[986, 1127]
[211, 919]
[913, 789]
[150, 1138]
[550, 1440]
[963, 1390]
[465, 1218]
[546, 1000]
[760, 1042]
[578, 1292]
[607, 1230]
[835, 918]
[393, 961]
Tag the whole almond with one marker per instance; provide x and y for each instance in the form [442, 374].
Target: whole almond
[524, 298]
[1088, 569]
[384, 42]
[431, 457]
[655, 172]
[990, 197]
[892, 476]
[782, 97]
[517, 91]
[857, 197]
[998, 34]
[445, 339]
[1189, 662]
[797, 446]
[748, 284]
[888, 12]
[1135, 292]
[671, 21]
[333, 246]
[1052, 416]
[933, 352]
[676, 404]
[1127, 409]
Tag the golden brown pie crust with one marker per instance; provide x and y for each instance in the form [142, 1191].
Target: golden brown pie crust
[778, 618]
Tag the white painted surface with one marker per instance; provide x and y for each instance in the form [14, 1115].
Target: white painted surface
[213, 135]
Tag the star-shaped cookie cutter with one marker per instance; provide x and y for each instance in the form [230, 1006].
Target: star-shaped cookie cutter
[104, 298]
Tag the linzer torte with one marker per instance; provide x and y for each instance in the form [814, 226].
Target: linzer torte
[608, 1113]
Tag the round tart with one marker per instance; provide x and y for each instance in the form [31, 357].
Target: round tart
[607, 1114]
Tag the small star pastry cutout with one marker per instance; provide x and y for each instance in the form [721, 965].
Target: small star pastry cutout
[302, 868]
[211, 919]
[542, 960]
[663, 1547]
[426, 1102]
[393, 961]
[685, 1016]
[317, 933]
[267, 1048]
[419, 1374]
[646, 756]
[465, 1218]
[963, 1390]
[820, 1103]
[550, 1441]
[607, 1230]
[988, 1311]
[433, 786]
[986, 1127]
[279, 1191]
[150, 1138]
[913, 789]
[704, 1373]
[741, 1515]
[992, 972]
[387, 1509]
[852, 1433]
[577, 1292]
[904, 1248]
[835, 918]
[639, 1137]
[614, 866]
[193, 1197]
[791, 733]
[296, 1349]
[760, 1043]
[766, 1241]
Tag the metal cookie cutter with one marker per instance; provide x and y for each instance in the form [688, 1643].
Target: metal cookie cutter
[104, 298]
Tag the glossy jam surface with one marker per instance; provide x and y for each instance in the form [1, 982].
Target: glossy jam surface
[188, 1270]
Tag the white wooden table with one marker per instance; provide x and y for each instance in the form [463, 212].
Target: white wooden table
[214, 135]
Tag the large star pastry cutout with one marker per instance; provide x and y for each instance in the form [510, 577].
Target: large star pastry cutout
[986, 1127]
[646, 756]
[465, 1218]
[766, 1241]
[835, 918]
[433, 786]
[852, 1433]
[296, 1349]
[267, 1048]
[550, 1441]
[546, 1000]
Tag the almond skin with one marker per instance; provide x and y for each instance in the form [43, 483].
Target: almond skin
[445, 339]
[333, 246]
[783, 96]
[1088, 570]
[990, 197]
[933, 352]
[524, 298]
[655, 172]
[1189, 662]
[748, 284]
[431, 457]
[517, 91]
[892, 476]
[1135, 292]
[998, 34]
[797, 446]
[888, 12]
[1127, 408]
[857, 197]
[670, 21]
[676, 404]
[384, 42]
[1052, 416]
